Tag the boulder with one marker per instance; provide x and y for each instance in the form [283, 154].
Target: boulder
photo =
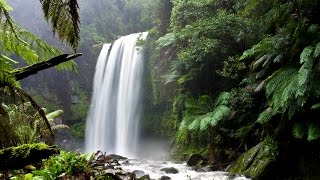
[165, 178]
[170, 170]
[145, 177]
[115, 157]
[195, 160]
[255, 161]
[138, 173]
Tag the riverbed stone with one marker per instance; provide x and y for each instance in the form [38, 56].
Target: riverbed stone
[144, 177]
[195, 160]
[115, 157]
[170, 170]
[138, 173]
[255, 161]
[165, 178]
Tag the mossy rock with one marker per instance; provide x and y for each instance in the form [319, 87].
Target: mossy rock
[21, 156]
[254, 162]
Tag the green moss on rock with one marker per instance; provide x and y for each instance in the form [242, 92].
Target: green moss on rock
[20, 156]
[254, 162]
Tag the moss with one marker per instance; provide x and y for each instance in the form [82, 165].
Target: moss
[20, 156]
[254, 162]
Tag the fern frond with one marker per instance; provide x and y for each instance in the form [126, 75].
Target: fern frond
[299, 130]
[195, 125]
[193, 107]
[265, 116]
[206, 103]
[316, 106]
[64, 19]
[313, 131]
[316, 52]
[213, 118]
[6, 77]
[223, 98]
[53, 115]
[277, 79]
[166, 40]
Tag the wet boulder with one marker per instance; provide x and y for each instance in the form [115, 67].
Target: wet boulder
[144, 177]
[255, 161]
[115, 157]
[170, 170]
[195, 160]
[165, 178]
[140, 175]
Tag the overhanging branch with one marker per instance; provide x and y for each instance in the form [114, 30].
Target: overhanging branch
[21, 73]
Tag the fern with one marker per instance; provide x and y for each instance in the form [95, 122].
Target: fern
[277, 79]
[223, 98]
[213, 118]
[316, 106]
[265, 116]
[313, 131]
[316, 52]
[306, 69]
[64, 19]
[299, 130]
[166, 40]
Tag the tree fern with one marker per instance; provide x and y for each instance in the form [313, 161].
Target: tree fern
[64, 19]
[213, 118]
[277, 79]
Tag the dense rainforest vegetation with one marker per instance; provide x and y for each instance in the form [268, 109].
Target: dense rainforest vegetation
[236, 81]
[236, 74]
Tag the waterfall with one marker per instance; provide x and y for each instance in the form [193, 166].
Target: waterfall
[113, 119]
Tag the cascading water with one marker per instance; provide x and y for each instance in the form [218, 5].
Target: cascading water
[113, 119]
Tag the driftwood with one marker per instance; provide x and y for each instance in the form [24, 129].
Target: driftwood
[21, 156]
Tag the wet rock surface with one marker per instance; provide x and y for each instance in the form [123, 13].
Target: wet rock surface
[170, 170]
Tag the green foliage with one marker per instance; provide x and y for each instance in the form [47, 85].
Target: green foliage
[202, 114]
[25, 45]
[166, 40]
[25, 124]
[66, 165]
[64, 19]
[299, 130]
[79, 110]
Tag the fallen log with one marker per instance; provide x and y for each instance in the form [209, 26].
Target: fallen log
[18, 157]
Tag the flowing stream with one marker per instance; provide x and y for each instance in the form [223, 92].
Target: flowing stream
[114, 115]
